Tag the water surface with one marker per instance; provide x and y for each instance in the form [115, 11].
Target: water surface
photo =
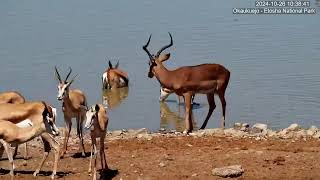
[273, 59]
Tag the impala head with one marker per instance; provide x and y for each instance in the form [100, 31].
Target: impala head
[155, 60]
[49, 116]
[63, 86]
[91, 115]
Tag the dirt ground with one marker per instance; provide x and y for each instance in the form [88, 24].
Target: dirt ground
[185, 158]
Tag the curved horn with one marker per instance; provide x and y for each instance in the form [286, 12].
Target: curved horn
[57, 74]
[70, 70]
[145, 48]
[165, 47]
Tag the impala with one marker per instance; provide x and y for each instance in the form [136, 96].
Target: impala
[97, 122]
[114, 77]
[185, 81]
[20, 123]
[74, 105]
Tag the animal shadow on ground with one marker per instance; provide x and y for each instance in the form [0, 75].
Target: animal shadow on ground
[108, 174]
[41, 173]
[79, 155]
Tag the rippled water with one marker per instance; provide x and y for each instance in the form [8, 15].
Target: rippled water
[274, 59]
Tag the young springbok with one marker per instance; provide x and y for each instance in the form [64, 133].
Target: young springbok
[164, 93]
[114, 77]
[185, 81]
[97, 122]
[20, 123]
[74, 105]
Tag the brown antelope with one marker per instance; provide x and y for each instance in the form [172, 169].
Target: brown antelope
[14, 97]
[185, 81]
[74, 106]
[20, 123]
[114, 77]
[97, 122]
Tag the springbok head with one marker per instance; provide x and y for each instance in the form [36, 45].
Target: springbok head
[114, 77]
[164, 93]
[63, 86]
[91, 115]
[49, 117]
[156, 60]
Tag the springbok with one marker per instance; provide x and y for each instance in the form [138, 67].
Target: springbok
[74, 105]
[97, 122]
[185, 81]
[14, 97]
[114, 77]
[164, 93]
[20, 123]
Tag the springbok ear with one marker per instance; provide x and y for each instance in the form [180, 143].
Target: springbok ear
[117, 65]
[110, 65]
[164, 57]
[97, 108]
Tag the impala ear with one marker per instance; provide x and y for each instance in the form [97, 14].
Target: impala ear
[110, 65]
[164, 57]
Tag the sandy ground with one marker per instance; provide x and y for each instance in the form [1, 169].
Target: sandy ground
[184, 157]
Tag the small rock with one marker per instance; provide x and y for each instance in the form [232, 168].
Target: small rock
[312, 131]
[190, 145]
[316, 135]
[194, 175]
[162, 164]
[301, 134]
[229, 171]
[116, 133]
[260, 126]
[293, 127]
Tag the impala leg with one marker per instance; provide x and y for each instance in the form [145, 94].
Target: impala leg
[66, 135]
[212, 106]
[10, 156]
[188, 112]
[223, 104]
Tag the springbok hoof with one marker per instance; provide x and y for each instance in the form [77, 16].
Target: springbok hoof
[35, 173]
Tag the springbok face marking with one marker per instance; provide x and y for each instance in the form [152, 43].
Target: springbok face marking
[63, 89]
[63, 86]
[91, 115]
[49, 117]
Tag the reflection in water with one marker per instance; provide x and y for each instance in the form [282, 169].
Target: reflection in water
[171, 119]
[318, 3]
[114, 97]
